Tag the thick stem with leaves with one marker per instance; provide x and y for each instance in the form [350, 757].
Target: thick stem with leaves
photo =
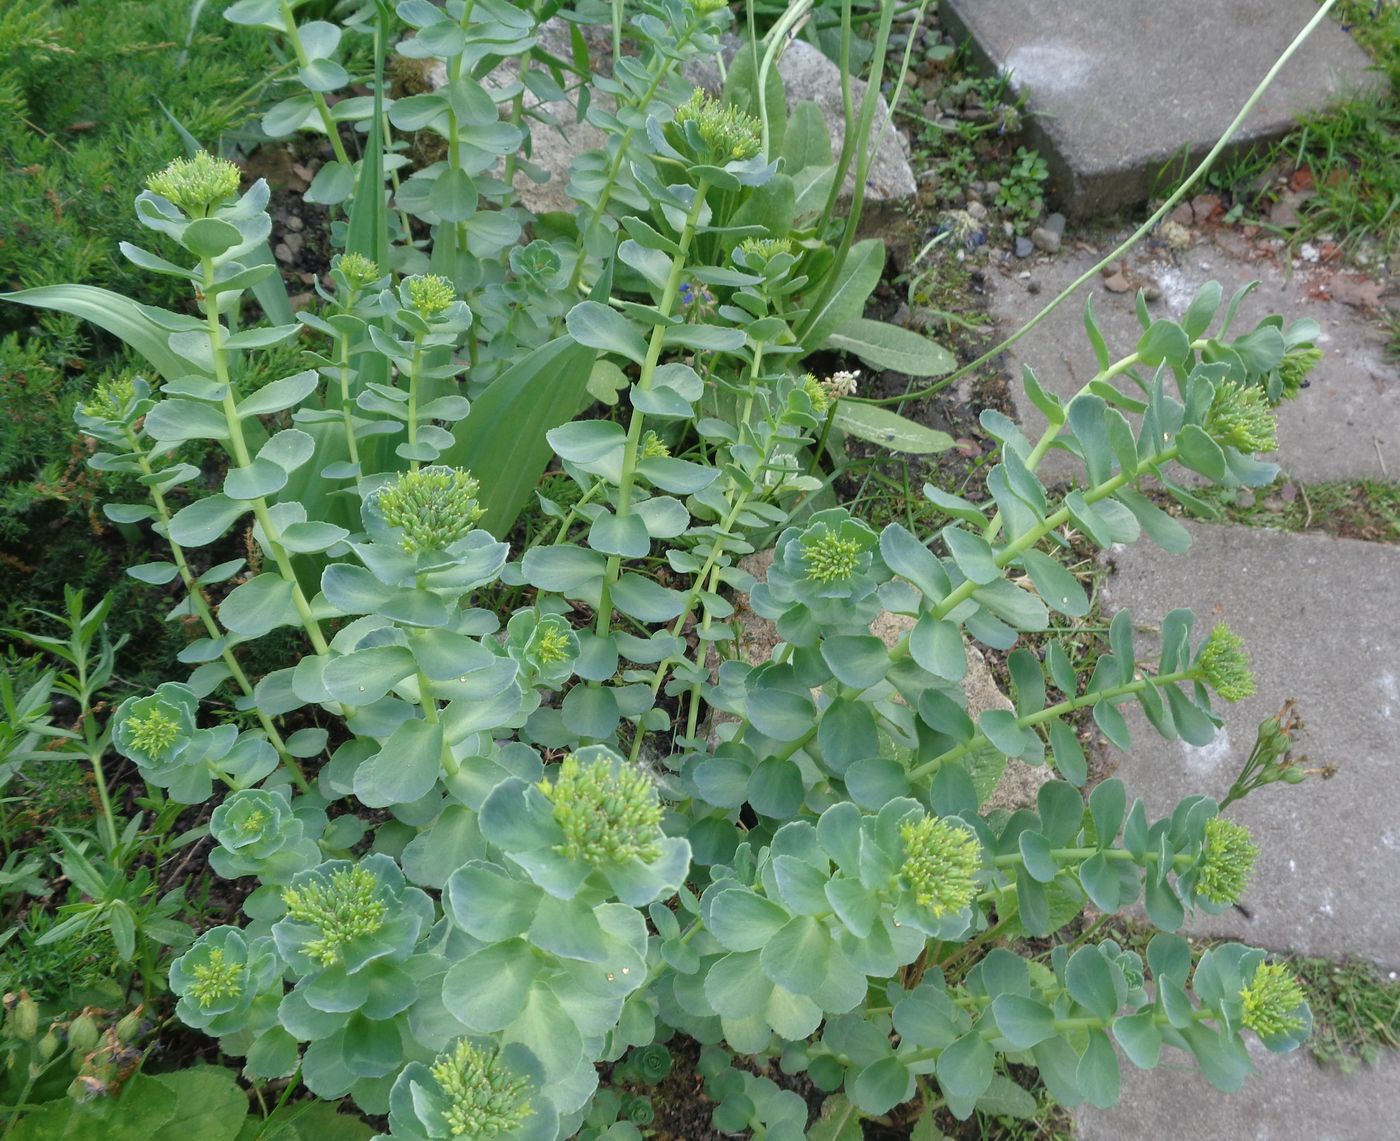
[239, 446]
[322, 107]
[200, 605]
[628, 482]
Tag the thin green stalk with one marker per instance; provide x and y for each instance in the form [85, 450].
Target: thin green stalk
[200, 605]
[1049, 713]
[342, 360]
[322, 108]
[1137, 235]
[239, 446]
[864, 155]
[628, 482]
[1052, 431]
[415, 370]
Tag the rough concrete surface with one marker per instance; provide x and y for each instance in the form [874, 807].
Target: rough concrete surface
[1318, 616]
[1345, 425]
[1122, 91]
[1292, 1098]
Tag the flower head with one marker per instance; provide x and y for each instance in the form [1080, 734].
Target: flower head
[1271, 1001]
[152, 731]
[816, 393]
[609, 811]
[1240, 418]
[481, 1096]
[433, 507]
[653, 447]
[551, 643]
[358, 270]
[717, 132]
[218, 978]
[343, 905]
[430, 294]
[837, 553]
[251, 822]
[941, 861]
[1223, 664]
[196, 185]
[1293, 370]
[113, 399]
[1227, 858]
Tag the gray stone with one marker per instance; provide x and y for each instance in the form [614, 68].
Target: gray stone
[1044, 238]
[806, 74]
[1055, 223]
[1120, 93]
[1292, 1098]
[1345, 425]
[1317, 616]
[1024, 247]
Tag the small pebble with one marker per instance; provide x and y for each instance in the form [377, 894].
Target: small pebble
[1152, 291]
[1116, 283]
[1032, 286]
[1056, 224]
[1044, 238]
[1024, 247]
[993, 188]
[1245, 498]
[977, 210]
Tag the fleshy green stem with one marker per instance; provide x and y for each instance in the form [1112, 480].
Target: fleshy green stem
[322, 108]
[1049, 713]
[634, 429]
[239, 446]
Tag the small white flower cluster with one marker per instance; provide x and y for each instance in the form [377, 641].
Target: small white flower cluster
[840, 384]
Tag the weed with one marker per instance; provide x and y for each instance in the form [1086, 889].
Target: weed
[1355, 509]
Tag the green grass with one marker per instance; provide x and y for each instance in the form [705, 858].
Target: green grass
[82, 85]
[1355, 509]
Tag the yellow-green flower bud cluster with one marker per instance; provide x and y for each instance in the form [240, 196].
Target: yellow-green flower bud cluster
[1227, 859]
[433, 507]
[1223, 664]
[358, 270]
[196, 185]
[154, 733]
[110, 399]
[608, 810]
[831, 555]
[344, 907]
[483, 1097]
[216, 979]
[1270, 1001]
[1240, 418]
[941, 861]
[430, 294]
[728, 133]
[817, 394]
[653, 447]
[1294, 368]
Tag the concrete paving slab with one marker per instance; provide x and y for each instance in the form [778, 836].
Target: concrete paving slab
[1291, 1098]
[1318, 616]
[1345, 425]
[1122, 91]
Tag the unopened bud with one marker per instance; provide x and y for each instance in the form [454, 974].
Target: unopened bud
[26, 1019]
[48, 1045]
[1294, 775]
[129, 1026]
[82, 1033]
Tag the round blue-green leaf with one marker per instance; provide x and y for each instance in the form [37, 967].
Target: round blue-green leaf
[646, 600]
[333, 184]
[882, 1085]
[1003, 730]
[258, 480]
[1059, 589]
[1023, 1021]
[1098, 1075]
[780, 714]
[775, 788]
[743, 921]
[406, 769]
[1089, 980]
[1140, 1037]
[490, 905]
[623, 535]
[875, 781]
[210, 237]
[847, 733]
[1035, 854]
[858, 660]
[599, 327]
[1101, 882]
[453, 197]
[591, 711]
[1107, 805]
[562, 568]
[936, 645]
[798, 955]
[259, 605]
[735, 985]
[966, 1067]
[154, 574]
[364, 676]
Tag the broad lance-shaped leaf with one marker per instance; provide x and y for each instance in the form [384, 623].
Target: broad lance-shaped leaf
[884, 346]
[120, 316]
[889, 429]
